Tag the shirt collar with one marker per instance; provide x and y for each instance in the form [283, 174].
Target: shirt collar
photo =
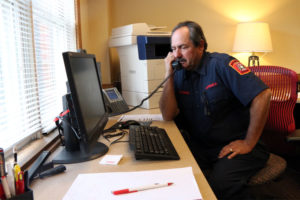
[200, 70]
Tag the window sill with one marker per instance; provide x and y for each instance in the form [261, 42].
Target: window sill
[29, 153]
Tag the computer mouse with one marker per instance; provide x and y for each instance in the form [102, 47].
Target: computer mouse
[126, 124]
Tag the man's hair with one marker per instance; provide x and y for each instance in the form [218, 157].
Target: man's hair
[196, 33]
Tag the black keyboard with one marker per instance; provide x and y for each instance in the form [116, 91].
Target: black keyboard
[152, 143]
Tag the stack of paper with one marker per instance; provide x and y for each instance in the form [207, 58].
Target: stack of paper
[141, 117]
[100, 185]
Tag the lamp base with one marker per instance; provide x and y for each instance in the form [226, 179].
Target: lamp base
[253, 59]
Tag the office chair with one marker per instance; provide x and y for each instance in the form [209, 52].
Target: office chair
[283, 84]
[274, 167]
[280, 122]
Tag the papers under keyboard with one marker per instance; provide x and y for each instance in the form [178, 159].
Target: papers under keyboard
[151, 143]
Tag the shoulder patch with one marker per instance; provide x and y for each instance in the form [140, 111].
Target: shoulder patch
[239, 67]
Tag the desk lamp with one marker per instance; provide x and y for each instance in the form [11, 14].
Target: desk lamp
[252, 37]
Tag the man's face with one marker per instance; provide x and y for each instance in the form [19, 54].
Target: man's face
[184, 49]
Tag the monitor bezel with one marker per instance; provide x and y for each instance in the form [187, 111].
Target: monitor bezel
[83, 131]
[88, 145]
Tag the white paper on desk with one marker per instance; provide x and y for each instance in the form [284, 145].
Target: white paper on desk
[99, 185]
[141, 117]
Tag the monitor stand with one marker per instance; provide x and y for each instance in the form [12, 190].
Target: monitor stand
[68, 157]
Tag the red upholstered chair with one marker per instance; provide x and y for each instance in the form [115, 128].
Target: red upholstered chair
[283, 84]
[280, 122]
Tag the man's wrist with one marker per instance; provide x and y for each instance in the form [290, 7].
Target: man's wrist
[250, 143]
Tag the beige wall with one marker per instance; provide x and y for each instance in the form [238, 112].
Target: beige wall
[218, 18]
[95, 32]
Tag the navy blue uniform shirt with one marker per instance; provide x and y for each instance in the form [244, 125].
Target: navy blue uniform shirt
[214, 99]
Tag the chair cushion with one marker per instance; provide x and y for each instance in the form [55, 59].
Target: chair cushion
[274, 167]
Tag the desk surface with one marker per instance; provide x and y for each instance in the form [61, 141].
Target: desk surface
[55, 187]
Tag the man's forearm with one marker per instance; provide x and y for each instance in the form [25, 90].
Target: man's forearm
[258, 116]
[168, 103]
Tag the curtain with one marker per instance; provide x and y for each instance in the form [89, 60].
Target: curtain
[33, 35]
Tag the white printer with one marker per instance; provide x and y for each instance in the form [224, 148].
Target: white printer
[141, 49]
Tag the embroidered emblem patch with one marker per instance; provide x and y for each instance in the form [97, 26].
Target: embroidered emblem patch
[239, 67]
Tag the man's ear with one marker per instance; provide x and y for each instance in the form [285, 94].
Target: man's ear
[201, 45]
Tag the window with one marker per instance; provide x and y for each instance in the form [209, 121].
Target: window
[33, 35]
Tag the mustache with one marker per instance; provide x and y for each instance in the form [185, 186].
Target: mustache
[181, 60]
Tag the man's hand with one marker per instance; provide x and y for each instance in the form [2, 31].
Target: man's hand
[168, 60]
[234, 148]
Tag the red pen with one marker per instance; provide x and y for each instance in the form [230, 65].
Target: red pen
[137, 189]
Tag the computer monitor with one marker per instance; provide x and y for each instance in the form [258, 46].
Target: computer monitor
[87, 118]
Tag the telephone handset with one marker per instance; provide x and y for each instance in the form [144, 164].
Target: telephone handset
[114, 101]
[176, 64]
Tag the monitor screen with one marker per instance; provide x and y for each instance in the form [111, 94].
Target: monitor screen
[88, 116]
[88, 93]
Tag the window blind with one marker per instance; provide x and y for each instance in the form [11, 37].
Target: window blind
[33, 35]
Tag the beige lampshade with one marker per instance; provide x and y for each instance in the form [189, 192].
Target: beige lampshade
[252, 37]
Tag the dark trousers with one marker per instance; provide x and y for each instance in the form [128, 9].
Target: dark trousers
[228, 177]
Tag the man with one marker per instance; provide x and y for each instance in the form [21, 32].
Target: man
[221, 104]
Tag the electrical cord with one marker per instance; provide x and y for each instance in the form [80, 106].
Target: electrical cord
[60, 128]
[148, 97]
[107, 136]
[121, 134]
[73, 129]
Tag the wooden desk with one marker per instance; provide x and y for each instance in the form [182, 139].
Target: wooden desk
[55, 187]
